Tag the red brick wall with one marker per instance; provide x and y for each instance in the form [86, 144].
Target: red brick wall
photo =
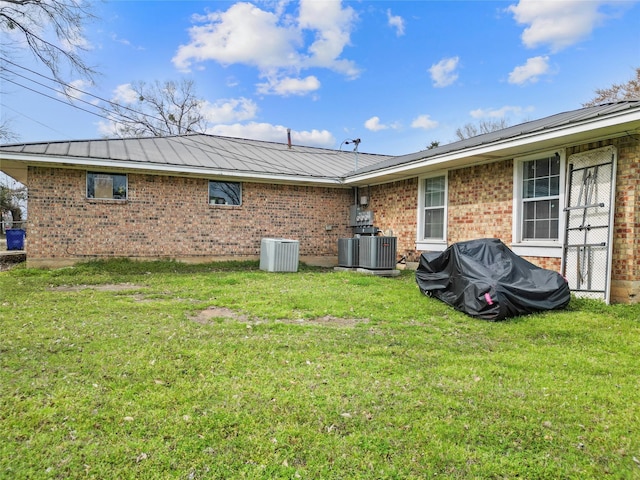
[170, 217]
[474, 211]
[395, 207]
[481, 205]
[481, 202]
[549, 263]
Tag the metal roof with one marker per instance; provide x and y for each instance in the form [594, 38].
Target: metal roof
[204, 153]
[560, 120]
[201, 154]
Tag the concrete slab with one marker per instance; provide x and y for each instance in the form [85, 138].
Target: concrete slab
[366, 271]
[12, 253]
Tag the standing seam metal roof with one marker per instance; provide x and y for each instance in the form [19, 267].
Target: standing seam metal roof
[207, 151]
[237, 155]
[548, 123]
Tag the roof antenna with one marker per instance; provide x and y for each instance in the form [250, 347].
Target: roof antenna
[356, 142]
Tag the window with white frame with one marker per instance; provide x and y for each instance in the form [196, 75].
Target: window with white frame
[225, 193]
[434, 208]
[540, 198]
[107, 186]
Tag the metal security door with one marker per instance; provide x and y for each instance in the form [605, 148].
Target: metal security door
[586, 259]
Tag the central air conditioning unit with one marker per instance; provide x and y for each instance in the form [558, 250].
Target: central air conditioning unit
[279, 255]
[377, 253]
[348, 252]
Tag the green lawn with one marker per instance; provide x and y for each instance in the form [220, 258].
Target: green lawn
[162, 370]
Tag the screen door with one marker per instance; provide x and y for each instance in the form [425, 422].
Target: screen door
[586, 259]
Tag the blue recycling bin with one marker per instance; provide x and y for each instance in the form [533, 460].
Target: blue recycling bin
[15, 239]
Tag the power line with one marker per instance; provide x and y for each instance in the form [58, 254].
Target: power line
[32, 119]
[198, 144]
[108, 115]
[49, 96]
[66, 87]
[64, 93]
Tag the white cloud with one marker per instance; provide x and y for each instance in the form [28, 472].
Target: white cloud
[76, 89]
[275, 133]
[396, 22]
[107, 129]
[443, 73]
[125, 94]
[125, 42]
[230, 110]
[243, 34]
[219, 112]
[530, 71]
[374, 124]
[75, 42]
[425, 122]
[499, 112]
[273, 42]
[289, 86]
[333, 25]
[558, 24]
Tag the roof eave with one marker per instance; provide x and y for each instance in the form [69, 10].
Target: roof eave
[562, 136]
[15, 165]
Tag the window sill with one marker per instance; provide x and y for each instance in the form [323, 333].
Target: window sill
[538, 249]
[431, 245]
[107, 200]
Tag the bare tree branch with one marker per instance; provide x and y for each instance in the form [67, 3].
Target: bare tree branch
[485, 126]
[6, 133]
[617, 92]
[29, 20]
[169, 108]
[11, 198]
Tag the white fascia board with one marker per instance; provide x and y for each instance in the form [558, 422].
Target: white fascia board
[443, 161]
[204, 172]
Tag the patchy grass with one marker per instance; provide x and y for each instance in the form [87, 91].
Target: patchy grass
[163, 370]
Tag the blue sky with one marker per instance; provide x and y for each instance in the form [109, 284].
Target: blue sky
[396, 74]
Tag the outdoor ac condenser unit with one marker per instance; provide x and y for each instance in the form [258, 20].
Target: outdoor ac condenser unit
[377, 252]
[279, 255]
[348, 252]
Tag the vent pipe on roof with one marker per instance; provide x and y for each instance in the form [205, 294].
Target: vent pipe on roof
[289, 137]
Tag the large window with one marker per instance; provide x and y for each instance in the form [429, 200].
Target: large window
[434, 208]
[111, 186]
[541, 198]
[225, 193]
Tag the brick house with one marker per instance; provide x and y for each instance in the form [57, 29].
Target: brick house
[562, 191]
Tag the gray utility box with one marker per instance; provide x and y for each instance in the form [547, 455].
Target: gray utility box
[348, 252]
[279, 255]
[377, 252]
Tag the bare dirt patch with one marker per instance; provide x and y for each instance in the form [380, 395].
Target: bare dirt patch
[329, 320]
[9, 260]
[205, 316]
[115, 287]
